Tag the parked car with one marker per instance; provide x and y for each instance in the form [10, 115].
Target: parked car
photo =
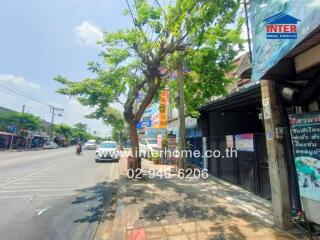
[50, 145]
[107, 150]
[147, 145]
[127, 144]
[90, 145]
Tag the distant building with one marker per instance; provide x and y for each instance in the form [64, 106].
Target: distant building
[34, 139]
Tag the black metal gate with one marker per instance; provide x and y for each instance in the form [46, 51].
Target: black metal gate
[248, 168]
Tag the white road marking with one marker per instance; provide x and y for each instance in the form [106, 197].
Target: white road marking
[28, 175]
[40, 211]
[38, 190]
[33, 197]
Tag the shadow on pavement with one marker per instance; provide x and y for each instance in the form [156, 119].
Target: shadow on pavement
[99, 200]
[193, 207]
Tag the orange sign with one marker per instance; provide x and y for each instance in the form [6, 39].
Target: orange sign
[163, 109]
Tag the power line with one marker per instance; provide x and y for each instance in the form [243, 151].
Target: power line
[55, 110]
[20, 93]
[27, 93]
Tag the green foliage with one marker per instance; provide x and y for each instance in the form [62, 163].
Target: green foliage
[79, 132]
[63, 130]
[80, 126]
[22, 121]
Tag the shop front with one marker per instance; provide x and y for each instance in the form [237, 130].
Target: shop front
[235, 134]
[289, 71]
[5, 140]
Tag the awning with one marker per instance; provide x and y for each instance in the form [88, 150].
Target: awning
[245, 99]
[7, 134]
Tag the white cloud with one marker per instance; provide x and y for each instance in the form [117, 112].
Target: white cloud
[16, 91]
[18, 81]
[87, 34]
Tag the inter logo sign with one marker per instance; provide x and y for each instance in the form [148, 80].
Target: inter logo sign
[281, 26]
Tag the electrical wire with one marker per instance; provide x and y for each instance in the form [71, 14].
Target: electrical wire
[20, 93]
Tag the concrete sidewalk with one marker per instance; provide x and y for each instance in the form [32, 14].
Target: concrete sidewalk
[178, 208]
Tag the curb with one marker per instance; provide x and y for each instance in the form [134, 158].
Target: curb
[118, 230]
[105, 228]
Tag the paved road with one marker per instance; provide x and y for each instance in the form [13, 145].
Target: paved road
[53, 194]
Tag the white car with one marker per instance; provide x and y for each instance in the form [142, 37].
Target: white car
[147, 145]
[90, 145]
[107, 150]
[50, 145]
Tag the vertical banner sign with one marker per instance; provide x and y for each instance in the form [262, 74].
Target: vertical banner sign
[159, 141]
[277, 27]
[305, 134]
[172, 146]
[163, 109]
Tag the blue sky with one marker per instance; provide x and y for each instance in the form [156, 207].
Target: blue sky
[40, 39]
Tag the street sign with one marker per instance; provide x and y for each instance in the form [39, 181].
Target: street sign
[13, 129]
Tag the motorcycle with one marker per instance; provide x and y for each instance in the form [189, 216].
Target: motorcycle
[79, 149]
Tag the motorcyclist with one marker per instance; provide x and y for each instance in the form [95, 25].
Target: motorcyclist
[79, 148]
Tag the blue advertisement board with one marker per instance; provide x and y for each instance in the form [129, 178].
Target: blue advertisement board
[143, 124]
[277, 27]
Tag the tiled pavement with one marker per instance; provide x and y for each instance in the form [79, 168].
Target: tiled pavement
[190, 209]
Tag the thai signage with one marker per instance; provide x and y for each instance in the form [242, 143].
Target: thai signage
[305, 134]
[156, 113]
[159, 119]
[277, 27]
[244, 142]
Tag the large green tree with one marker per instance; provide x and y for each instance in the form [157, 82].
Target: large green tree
[19, 121]
[199, 34]
[79, 132]
[64, 131]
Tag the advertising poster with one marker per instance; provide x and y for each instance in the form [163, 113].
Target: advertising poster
[305, 135]
[244, 142]
[159, 141]
[271, 41]
[229, 141]
[172, 145]
[156, 112]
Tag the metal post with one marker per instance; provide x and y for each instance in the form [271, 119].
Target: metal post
[204, 149]
[11, 142]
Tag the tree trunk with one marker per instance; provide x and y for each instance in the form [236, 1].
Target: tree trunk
[135, 145]
[132, 118]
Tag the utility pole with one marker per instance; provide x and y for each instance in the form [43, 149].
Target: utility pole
[23, 107]
[55, 112]
[248, 28]
[278, 170]
[182, 126]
